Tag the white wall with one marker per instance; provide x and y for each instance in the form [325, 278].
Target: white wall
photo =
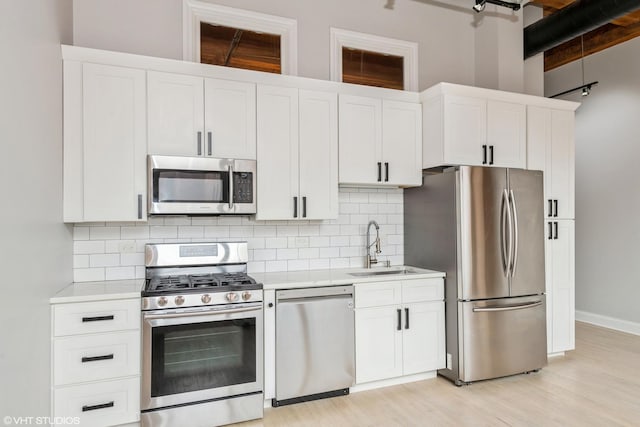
[444, 30]
[607, 179]
[35, 247]
[102, 251]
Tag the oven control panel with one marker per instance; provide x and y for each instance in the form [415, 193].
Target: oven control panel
[243, 187]
[201, 299]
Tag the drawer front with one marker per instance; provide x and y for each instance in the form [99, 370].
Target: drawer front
[377, 294]
[105, 403]
[96, 357]
[419, 290]
[98, 316]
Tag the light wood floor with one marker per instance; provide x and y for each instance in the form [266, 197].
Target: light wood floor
[598, 384]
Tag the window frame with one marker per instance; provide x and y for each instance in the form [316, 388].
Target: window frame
[369, 42]
[194, 12]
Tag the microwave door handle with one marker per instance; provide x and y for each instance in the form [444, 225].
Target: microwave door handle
[230, 187]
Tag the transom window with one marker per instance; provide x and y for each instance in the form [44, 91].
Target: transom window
[372, 68]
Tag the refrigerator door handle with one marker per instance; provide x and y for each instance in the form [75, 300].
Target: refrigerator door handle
[514, 208]
[507, 229]
[510, 307]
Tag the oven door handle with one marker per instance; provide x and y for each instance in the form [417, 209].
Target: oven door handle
[201, 313]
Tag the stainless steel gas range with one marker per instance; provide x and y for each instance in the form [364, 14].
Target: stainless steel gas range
[202, 336]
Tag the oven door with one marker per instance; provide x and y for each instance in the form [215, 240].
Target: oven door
[200, 186]
[200, 354]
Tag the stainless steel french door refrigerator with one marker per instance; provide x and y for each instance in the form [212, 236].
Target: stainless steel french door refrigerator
[485, 228]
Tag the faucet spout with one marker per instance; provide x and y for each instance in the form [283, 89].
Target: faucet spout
[371, 259]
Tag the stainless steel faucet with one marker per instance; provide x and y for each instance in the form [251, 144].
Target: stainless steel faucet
[372, 259]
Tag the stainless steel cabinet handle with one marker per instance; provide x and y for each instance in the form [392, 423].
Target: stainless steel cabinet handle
[379, 172]
[484, 154]
[199, 143]
[386, 172]
[555, 208]
[97, 358]
[304, 207]
[514, 208]
[209, 143]
[86, 408]
[230, 185]
[406, 318]
[295, 207]
[491, 154]
[139, 206]
[97, 318]
[507, 307]
[399, 328]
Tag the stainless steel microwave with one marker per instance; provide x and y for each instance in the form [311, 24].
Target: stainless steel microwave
[201, 186]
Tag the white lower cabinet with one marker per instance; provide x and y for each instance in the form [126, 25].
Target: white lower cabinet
[96, 362]
[560, 265]
[399, 328]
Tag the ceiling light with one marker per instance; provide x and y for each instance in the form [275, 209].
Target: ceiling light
[586, 90]
[480, 5]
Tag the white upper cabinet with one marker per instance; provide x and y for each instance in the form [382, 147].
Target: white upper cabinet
[551, 149]
[467, 130]
[195, 116]
[104, 143]
[297, 154]
[380, 142]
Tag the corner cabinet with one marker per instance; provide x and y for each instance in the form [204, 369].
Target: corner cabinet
[297, 149]
[104, 143]
[399, 328]
[380, 142]
[467, 130]
[196, 116]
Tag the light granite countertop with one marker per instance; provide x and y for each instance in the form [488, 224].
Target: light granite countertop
[99, 291]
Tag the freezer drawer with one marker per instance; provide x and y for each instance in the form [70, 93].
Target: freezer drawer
[502, 337]
[314, 342]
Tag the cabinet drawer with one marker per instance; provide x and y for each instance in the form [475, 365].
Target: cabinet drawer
[418, 290]
[96, 357]
[377, 294]
[99, 316]
[105, 403]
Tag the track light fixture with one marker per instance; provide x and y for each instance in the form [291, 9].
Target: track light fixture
[481, 4]
[586, 87]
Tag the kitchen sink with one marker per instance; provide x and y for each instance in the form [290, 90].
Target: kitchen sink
[383, 272]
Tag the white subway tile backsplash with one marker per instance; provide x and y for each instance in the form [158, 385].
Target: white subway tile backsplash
[104, 260]
[104, 233]
[112, 251]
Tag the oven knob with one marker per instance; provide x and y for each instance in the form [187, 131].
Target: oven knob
[206, 298]
[162, 301]
[179, 300]
[246, 296]
[232, 297]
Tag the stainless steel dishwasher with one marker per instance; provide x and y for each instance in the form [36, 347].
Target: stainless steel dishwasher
[314, 343]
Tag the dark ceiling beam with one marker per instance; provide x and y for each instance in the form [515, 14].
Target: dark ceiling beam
[572, 21]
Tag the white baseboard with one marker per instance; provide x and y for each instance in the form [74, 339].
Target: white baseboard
[608, 322]
[393, 381]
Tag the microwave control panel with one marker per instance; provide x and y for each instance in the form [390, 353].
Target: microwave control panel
[243, 187]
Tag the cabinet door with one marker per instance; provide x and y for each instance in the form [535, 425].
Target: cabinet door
[230, 119]
[561, 264]
[465, 130]
[360, 149]
[114, 142]
[506, 134]
[539, 147]
[378, 343]
[402, 143]
[277, 174]
[423, 345]
[318, 114]
[562, 163]
[175, 108]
